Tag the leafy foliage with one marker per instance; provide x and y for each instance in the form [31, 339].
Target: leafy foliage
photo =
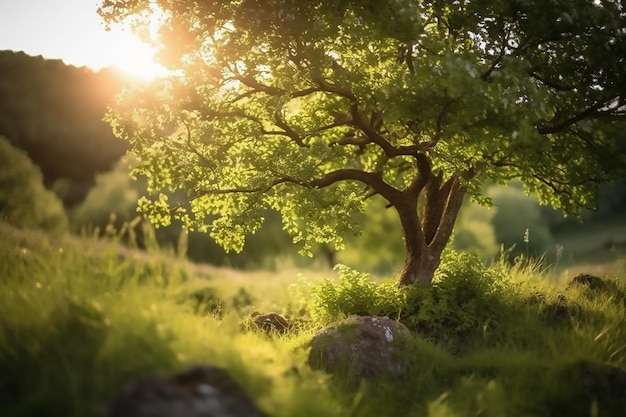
[111, 205]
[355, 293]
[24, 201]
[307, 108]
[465, 297]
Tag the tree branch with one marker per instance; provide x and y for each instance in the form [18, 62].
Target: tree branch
[499, 58]
[439, 123]
[260, 87]
[552, 84]
[335, 89]
[288, 130]
[372, 179]
[367, 128]
[565, 124]
[421, 179]
[375, 137]
[453, 204]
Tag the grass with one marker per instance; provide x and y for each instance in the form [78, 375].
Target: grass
[79, 318]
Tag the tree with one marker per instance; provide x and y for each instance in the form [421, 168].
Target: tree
[54, 112]
[310, 107]
[24, 201]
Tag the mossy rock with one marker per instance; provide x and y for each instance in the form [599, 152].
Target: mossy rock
[362, 347]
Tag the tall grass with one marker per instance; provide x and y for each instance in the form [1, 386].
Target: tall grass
[79, 318]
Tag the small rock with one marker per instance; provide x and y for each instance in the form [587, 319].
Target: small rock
[201, 391]
[591, 281]
[270, 322]
[362, 346]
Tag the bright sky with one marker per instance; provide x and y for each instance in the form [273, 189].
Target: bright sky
[71, 30]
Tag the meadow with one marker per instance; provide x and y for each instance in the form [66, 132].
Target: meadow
[79, 317]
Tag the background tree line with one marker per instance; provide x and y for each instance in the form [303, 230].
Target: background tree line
[54, 113]
[63, 169]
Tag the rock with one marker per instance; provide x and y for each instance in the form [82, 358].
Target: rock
[201, 391]
[270, 322]
[590, 281]
[363, 347]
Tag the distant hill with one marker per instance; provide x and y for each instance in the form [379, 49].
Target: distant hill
[54, 112]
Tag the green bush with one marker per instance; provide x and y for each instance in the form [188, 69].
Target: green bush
[115, 193]
[464, 299]
[355, 293]
[24, 201]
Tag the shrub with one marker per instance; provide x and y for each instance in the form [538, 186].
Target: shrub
[464, 299]
[114, 193]
[355, 293]
[24, 201]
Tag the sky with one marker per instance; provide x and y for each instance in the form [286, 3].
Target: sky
[71, 30]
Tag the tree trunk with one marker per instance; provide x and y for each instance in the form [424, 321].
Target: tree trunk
[426, 233]
[420, 269]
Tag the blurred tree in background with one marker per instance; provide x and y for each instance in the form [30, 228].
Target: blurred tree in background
[518, 222]
[114, 193]
[24, 201]
[378, 248]
[54, 112]
[474, 231]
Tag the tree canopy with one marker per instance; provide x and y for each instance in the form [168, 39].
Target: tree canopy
[310, 107]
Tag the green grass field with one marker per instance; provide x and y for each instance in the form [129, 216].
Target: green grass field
[80, 317]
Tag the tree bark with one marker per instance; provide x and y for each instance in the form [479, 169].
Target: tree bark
[427, 231]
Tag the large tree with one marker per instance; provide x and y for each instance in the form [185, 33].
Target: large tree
[310, 107]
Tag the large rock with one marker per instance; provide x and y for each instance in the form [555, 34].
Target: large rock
[362, 347]
[201, 391]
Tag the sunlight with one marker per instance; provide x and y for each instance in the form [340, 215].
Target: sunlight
[132, 56]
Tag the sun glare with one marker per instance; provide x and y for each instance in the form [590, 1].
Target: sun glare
[133, 57]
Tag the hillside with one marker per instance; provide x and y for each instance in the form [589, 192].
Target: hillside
[55, 111]
[79, 318]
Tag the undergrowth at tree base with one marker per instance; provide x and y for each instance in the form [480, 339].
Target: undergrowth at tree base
[78, 320]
